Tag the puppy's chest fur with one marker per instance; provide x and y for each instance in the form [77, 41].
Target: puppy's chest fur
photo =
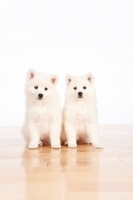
[80, 113]
[40, 114]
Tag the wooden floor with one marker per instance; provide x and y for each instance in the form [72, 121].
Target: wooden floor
[83, 173]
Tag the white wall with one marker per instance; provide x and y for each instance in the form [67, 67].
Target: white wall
[74, 36]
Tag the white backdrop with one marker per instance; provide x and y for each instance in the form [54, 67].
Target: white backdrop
[72, 36]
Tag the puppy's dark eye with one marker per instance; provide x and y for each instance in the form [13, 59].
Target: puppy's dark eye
[75, 88]
[84, 87]
[36, 87]
[45, 88]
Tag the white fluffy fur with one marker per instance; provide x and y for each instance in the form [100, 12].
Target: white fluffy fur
[43, 116]
[80, 114]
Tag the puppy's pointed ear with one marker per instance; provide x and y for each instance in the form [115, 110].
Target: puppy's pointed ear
[31, 74]
[90, 77]
[68, 79]
[54, 79]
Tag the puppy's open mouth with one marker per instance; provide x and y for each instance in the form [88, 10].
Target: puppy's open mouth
[80, 97]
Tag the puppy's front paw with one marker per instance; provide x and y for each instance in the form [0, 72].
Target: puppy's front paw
[56, 145]
[72, 144]
[33, 145]
[97, 144]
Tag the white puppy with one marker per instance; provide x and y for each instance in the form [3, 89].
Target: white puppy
[43, 112]
[80, 112]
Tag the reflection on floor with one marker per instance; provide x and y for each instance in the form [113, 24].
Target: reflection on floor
[83, 173]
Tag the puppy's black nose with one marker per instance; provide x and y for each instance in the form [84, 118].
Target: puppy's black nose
[80, 94]
[40, 95]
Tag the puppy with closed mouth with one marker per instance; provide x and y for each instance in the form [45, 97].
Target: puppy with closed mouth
[43, 112]
[80, 112]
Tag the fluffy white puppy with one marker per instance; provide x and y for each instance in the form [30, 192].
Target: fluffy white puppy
[80, 112]
[43, 112]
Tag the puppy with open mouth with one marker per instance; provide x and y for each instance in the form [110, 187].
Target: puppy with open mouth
[80, 112]
[43, 112]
